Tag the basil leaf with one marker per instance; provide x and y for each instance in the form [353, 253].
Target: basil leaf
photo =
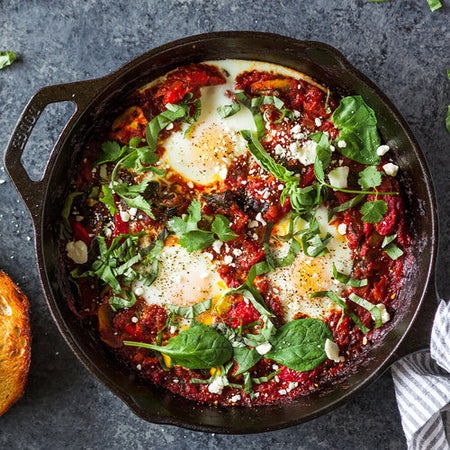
[300, 344]
[374, 211]
[323, 154]
[67, 208]
[267, 378]
[345, 310]
[119, 302]
[373, 309]
[256, 113]
[390, 248]
[6, 59]
[198, 347]
[370, 177]
[246, 358]
[228, 110]
[434, 4]
[346, 205]
[357, 127]
[346, 279]
[189, 312]
[221, 227]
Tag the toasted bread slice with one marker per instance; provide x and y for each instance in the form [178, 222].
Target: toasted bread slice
[15, 342]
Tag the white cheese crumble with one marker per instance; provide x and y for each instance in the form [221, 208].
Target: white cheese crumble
[318, 122]
[217, 245]
[139, 291]
[134, 319]
[342, 228]
[307, 154]
[338, 177]
[385, 316]
[332, 351]
[390, 169]
[77, 251]
[228, 259]
[342, 144]
[216, 387]
[262, 349]
[125, 216]
[382, 150]
[235, 398]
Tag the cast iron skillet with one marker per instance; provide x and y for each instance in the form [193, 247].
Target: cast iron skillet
[409, 331]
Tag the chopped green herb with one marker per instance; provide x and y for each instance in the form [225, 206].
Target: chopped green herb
[121, 302]
[256, 113]
[373, 309]
[346, 205]
[370, 177]
[190, 312]
[229, 110]
[390, 248]
[67, 208]
[434, 4]
[346, 279]
[6, 59]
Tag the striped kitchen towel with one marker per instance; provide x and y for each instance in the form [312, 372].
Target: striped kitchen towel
[422, 388]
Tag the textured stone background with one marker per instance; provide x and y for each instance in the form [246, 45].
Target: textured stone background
[400, 44]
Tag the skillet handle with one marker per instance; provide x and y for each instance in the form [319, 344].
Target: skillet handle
[79, 93]
[419, 335]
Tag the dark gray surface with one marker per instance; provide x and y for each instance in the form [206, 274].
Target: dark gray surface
[400, 45]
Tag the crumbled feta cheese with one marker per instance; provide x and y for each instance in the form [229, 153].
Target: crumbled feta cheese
[77, 251]
[390, 169]
[318, 122]
[125, 216]
[139, 367]
[332, 351]
[296, 129]
[262, 349]
[260, 219]
[297, 114]
[170, 126]
[235, 398]
[2, 181]
[307, 154]
[134, 319]
[191, 185]
[217, 245]
[282, 392]
[293, 147]
[338, 177]
[275, 367]
[172, 329]
[107, 231]
[382, 150]
[237, 252]
[342, 228]
[253, 224]
[332, 148]
[223, 172]
[292, 385]
[133, 211]
[342, 144]
[139, 291]
[216, 387]
[228, 259]
[279, 150]
[385, 316]
[364, 341]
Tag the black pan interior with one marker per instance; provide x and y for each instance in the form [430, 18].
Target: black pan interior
[327, 66]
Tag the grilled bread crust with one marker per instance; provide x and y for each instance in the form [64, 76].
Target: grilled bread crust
[15, 342]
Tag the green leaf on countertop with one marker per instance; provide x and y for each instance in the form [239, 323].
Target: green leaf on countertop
[6, 59]
[434, 4]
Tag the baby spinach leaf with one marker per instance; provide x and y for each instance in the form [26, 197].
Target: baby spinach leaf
[323, 154]
[434, 4]
[374, 211]
[299, 345]
[198, 347]
[357, 125]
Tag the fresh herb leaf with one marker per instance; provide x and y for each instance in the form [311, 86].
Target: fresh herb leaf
[346, 205]
[434, 4]
[267, 378]
[373, 309]
[312, 243]
[108, 199]
[347, 280]
[221, 227]
[327, 106]
[370, 177]
[374, 211]
[323, 154]
[111, 151]
[345, 309]
[300, 344]
[278, 106]
[229, 110]
[245, 358]
[190, 312]
[357, 125]
[117, 303]
[67, 208]
[198, 347]
[6, 59]
[256, 113]
[390, 248]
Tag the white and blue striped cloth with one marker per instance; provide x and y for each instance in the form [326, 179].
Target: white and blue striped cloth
[422, 388]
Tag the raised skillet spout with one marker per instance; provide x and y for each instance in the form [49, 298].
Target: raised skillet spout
[409, 331]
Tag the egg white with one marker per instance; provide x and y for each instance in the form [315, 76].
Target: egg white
[295, 283]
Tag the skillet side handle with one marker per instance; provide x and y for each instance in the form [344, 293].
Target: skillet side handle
[419, 335]
[79, 93]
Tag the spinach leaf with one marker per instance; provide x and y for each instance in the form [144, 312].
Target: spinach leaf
[300, 344]
[189, 312]
[198, 347]
[357, 127]
[323, 154]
